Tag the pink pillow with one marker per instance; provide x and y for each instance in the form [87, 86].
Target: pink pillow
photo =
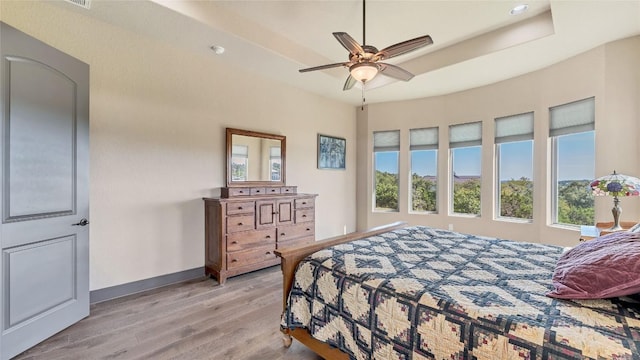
[608, 266]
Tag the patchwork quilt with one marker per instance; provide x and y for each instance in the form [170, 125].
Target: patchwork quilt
[424, 293]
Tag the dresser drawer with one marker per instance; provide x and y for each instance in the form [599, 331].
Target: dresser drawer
[248, 257]
[272, 190]
[250, 239]
[288, 190]
[304, 203]
[291, 232]
[240, 223]
[305, 215]
[295, 242]
[258, 191]
[245, 207]
[238, 192]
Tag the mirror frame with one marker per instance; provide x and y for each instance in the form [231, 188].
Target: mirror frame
[283, 158]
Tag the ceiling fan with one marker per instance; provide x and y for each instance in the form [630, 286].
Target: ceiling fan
[365, 61]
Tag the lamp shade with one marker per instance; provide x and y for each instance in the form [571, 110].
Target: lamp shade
[363, 71]
[615, 184]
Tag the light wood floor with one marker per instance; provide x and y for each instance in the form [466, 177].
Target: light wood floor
[193, 320]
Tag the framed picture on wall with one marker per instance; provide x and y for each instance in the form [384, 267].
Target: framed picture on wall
[331, 152]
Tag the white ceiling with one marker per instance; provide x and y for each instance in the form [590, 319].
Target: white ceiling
[475, 42]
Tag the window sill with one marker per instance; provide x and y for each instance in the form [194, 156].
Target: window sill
[464, 215]
[423, 213]
[565, 227]
[514, 220]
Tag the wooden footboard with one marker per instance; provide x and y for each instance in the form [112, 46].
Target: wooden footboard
[290, 259]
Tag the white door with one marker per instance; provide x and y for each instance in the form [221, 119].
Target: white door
[44, 237]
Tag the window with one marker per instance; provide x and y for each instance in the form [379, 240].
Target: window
[465, 142]
[423, 146]
[514, 166]
[571, 129]
[239, 162]
[386, 148]
[274, 163]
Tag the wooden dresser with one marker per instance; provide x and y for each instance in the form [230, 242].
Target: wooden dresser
[246, 225]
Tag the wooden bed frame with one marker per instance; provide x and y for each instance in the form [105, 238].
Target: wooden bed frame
[290, 259]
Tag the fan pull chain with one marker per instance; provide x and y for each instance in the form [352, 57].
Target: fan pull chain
[363, 99]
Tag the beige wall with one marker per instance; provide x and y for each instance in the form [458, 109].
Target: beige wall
[158, 116]
[157, 139]
[609, 72]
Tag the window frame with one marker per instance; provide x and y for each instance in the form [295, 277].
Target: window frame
[498, 186]
[275, 159]
[555, 132]
[396, 149]
[452, 183]
[242, 158]
[465, 142]
[423, 147]
[514, 137]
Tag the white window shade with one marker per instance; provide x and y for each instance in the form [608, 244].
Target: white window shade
[274, 152]
[240, 151]
[514, 128]
[423, 139]
[578, 116]
[386, 141]
[462, 135]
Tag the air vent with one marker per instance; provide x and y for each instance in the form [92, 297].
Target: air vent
[84, 3]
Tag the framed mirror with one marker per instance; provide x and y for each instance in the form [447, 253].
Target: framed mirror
[255, 158]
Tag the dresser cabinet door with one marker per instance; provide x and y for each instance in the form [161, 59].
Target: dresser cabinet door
[285, 212]
[271, 213]
[266, 214]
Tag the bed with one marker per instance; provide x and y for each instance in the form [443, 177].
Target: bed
[414, 292]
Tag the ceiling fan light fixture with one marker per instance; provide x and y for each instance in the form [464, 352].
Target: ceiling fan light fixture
[364, 71]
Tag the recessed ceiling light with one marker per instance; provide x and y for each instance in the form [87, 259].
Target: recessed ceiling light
[519, 9]
[219, 50]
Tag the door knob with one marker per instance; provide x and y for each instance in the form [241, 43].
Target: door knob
[83, 222]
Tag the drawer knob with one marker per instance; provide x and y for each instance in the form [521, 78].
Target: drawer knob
[239, 207]
[308, 229]
[234, 260]
[241, 192]
[268, 236]
[268, 253]
[234, 242]
[304, 215]
[282, 234]
[239, 223]
[304, 203]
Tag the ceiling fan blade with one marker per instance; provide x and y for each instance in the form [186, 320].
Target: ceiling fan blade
[349, 43]
[404, 47]
[395, 72]
[321, 67]
[349, 83]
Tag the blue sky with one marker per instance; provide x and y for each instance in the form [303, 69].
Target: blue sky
[577, 162]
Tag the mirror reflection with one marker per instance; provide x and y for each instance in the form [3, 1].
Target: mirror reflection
[255, 159]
